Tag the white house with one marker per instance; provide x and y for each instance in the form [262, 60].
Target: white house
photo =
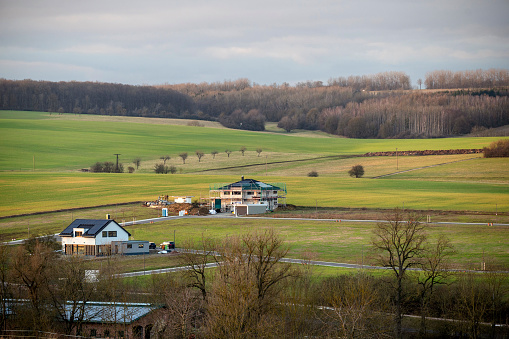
[227, 197]
[92, 236]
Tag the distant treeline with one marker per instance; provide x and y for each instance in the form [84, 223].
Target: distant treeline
[374, 106]
[93, 98]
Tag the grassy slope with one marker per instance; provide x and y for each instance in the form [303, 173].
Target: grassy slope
[68, 142]
[61, 144]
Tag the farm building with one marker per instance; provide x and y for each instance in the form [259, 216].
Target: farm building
[238, 196]
[100, 319]
[93, 237]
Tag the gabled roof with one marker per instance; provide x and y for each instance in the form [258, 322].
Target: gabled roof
[94, 227]
[250, 184]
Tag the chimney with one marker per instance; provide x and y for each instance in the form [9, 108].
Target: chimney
[242, 178]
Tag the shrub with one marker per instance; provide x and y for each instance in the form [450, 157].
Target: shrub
[497, 149]
[313, 174]
[130, 169]
[356, 171]
[161, 169]
[172, 169]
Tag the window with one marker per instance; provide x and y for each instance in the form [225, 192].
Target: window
[141, 245]
[112, 234]
[120, 334]
[226, 193]
[93, 332]
[105, 234]
[106, 333]
[78, 234]
[129, 245]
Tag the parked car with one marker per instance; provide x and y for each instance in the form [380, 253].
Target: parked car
[152, 246]
[162, 252]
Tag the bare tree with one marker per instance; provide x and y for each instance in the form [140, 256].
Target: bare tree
[247, 288]
[214, 152]
[183, 155]
[356, 306]
[71, 292]
[434, 265]
[182, 307]
[259, 150]
[137, 162]
[200, 155]
[165, 158]
[242, 150]
[196, 256]
[419, 82]
[228, 152]
[400, 242]
[33, 272]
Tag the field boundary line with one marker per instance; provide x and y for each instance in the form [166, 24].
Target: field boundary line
[423, 167]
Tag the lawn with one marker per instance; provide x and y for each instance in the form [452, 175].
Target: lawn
[333, 241]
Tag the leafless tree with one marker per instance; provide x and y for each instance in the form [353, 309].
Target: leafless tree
[228, 152]
[137, 162]
[214, 152]
[242, 150]
[434, 264]
[197, 256]
[356, 306]
[399, 242]
[259, 151]
[200, 155]
[165, 158]
[183, 155]
[247, 288]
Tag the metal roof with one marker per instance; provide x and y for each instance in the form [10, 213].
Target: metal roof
[96, 311]
[93, 226]
[246, 184]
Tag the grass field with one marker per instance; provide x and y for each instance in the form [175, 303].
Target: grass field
[41, 156]
[58, 143]
[333, 241]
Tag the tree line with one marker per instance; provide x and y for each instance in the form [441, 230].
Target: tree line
[373, 106]
[480, 78]
[255, 292]
[94, 98]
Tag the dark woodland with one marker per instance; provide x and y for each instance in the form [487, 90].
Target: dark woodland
[383, 105]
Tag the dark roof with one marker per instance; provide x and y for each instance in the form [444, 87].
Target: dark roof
[250, 184]
[94, 227]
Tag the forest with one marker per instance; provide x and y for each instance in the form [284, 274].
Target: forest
[382, 105]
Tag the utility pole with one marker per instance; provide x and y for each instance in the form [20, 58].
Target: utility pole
[397, 164]
[116, 168]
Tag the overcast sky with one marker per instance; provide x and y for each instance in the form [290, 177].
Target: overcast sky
[266, 41]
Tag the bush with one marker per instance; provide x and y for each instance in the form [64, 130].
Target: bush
[356, 171]
[106, 167]
[161, 169]
[313, 174]
[497, 149]
[130, 169]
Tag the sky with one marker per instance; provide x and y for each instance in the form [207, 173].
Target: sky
[266, 41]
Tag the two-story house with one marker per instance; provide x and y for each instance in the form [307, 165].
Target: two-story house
[247, 192]
[92, 236]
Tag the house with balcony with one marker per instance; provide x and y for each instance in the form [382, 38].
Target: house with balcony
[246, 194]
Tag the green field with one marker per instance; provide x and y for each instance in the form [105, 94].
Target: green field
[58, 143]
[41, 157]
